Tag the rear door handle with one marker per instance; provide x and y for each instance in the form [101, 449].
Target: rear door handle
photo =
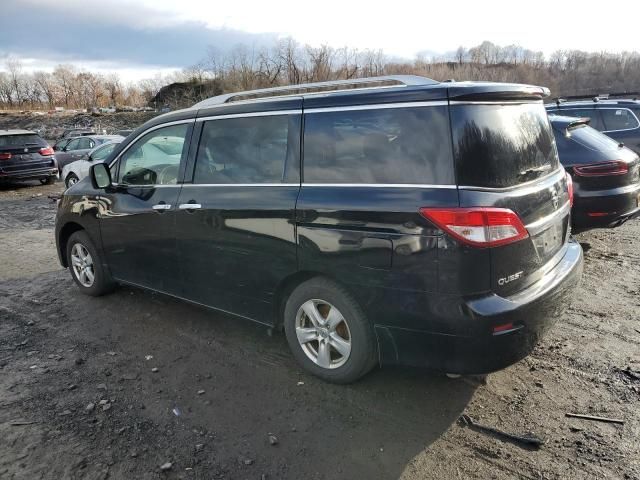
[189, 206]
[161, 206]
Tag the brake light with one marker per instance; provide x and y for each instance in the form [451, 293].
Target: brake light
[478, 226]
[569, 187]
[5, 156]
[46, 151]
[603, 169]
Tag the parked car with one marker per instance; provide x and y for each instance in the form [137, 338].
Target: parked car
[618, 118]
[24, 155]
[606, 175]
[73, 172]
[77, 147]
[426, 224]
[76, 132]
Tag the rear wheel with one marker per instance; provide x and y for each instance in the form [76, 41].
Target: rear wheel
[328, 333]
[85, 266]
[71, 180]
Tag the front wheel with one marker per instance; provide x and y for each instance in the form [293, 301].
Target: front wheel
[71, 180]
[85, 266]
[328, 332]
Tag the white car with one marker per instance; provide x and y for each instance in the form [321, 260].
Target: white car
[73, 172]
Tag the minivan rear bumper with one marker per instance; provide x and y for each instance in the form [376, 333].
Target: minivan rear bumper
[483, 350]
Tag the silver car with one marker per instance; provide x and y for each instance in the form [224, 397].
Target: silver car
[77, 147]
[73, 172]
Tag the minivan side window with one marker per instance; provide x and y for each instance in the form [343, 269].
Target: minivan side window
[155, 158]
[407, 145]
[252, 149]
[618, 119]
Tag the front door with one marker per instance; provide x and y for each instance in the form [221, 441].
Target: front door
[235, 220]
[138, 221]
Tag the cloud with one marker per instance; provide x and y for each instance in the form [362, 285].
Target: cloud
[79, 31]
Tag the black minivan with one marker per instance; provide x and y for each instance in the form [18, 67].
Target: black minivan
[392, 220]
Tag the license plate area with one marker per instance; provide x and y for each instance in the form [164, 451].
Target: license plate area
[549, 240]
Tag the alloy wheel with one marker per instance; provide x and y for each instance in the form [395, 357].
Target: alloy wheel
[323, 334]
[82, 264]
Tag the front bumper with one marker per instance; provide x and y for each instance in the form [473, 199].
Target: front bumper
[531, 312]
[606, 208]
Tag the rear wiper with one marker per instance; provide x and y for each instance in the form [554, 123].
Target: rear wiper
[531, 171]
[621, 144]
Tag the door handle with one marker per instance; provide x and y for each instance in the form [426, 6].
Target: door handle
[161, 206]
[189, 206]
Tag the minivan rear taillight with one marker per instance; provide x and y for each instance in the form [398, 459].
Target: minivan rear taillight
[569, 187]
[5, 156]
[603, 169]
[46, 151]
[479, 226]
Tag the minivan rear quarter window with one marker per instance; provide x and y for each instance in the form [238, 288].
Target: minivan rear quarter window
[379, 146]
[502, 145]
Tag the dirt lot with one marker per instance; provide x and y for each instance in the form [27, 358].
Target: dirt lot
[117, 386]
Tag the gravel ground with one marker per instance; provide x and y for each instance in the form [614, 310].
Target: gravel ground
[128, 384]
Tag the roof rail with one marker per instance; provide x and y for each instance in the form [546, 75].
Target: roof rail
[598, 97]
[335, 85]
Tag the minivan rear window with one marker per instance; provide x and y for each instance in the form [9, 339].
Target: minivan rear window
[381, 146]
[502, 145]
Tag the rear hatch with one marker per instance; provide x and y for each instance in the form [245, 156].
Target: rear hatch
[506, 158]
[595, 161]
[24, 151]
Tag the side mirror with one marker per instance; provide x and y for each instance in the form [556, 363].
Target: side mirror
[100, 177]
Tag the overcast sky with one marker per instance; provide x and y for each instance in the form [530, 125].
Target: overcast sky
[141, 37]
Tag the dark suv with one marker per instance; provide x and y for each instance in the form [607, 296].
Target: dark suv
[617, 118]
[392, 220]
[24, 155]
[606, 175]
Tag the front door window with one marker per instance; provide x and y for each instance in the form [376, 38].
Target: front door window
[155, 158]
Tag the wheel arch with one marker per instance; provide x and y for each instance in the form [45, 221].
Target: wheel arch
[288, 285]
[66, 231]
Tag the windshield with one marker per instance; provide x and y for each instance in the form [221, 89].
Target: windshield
[103, 152]
[502, 145]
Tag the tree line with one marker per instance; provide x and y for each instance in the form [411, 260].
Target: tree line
[565, 72]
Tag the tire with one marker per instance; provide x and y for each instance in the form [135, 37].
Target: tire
[48, 181]
[79, 243]
[71, 180]
[353, 329]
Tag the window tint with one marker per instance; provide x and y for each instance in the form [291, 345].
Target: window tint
[20, 140]
[592, 113]
[591, 138]
[85, 144]
[103, 152]
[618, 119]
[245, 150]
[155, 158]
[392, 145]
[502, 145]
[73, 144]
